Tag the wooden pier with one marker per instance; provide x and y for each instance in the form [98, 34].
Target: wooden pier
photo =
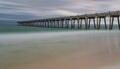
[77, 21]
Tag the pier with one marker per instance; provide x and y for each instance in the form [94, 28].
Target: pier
[95, 19]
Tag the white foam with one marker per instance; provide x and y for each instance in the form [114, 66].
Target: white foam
[23, 36]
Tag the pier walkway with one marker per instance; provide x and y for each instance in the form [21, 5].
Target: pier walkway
[96, 19]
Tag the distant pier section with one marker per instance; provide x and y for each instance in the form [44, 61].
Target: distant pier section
[108, 19]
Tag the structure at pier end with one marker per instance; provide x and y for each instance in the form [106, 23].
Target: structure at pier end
[77, 21]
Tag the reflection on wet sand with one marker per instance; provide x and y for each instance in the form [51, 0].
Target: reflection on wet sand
[64, 50]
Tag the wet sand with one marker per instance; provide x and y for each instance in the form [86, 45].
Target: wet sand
[70, 50]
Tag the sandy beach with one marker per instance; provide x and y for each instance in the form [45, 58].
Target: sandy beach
[70, 50]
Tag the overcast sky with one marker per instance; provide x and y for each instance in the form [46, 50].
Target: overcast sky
[16, 10]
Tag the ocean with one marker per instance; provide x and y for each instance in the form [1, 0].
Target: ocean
[24, 47]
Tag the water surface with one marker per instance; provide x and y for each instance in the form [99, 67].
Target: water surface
[76, 49]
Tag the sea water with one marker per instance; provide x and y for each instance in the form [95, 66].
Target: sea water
[48, 48]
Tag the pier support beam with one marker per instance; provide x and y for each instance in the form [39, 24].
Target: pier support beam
[81, 23]
[68, 23]
[71, 23]
[99, 22]
[53, 23]
[45, 23]
[74, 23]
[105, 22]
[94, 23]
[58, 23]
[78, 23]
[65, 23]
[89, 23]
[86, 22]
[62, 23]
[111, 23]
[48, 23]
[118, 22]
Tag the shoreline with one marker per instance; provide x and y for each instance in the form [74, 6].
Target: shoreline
[60, 50]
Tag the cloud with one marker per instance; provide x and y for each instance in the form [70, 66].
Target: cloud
[8, 3]
[36, 9]
[7, 19]
[65, 12]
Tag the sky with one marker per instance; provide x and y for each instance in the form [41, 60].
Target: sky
[12, 11]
